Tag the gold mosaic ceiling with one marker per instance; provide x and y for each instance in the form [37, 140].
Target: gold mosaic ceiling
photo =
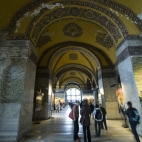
[73, 38]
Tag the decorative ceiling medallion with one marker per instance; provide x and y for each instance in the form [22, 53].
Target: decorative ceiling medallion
[72, 73]
[105, 40]
[43, 38]
[73, 30]
[73, 56]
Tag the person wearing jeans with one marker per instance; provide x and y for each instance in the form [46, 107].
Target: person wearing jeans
[98, 121]
[75, 121]
[104, 118]
[85, 119]
[133, 124]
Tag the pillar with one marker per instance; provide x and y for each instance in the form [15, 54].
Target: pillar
[44, 84]
[107, 77]
[17, 78]
[129, 58]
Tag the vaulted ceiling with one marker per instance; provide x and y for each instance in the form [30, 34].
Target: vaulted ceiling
[73, 38]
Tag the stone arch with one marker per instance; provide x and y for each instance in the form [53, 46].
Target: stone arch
[72, 43]
[83, 86]
[80, 68]
[109, 3]
[80, 49]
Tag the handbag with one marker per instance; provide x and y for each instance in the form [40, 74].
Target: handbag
[71, 115]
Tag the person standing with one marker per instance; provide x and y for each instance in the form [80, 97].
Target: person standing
[98, 120]
[132, 122]
[92, 109]
[85, 114]
[103, 124]
[75, 109]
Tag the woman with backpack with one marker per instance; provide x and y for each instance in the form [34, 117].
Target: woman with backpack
[98, 117]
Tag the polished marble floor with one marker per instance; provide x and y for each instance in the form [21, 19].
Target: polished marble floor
[60, 129]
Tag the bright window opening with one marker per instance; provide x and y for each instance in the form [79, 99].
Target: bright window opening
[73, 95]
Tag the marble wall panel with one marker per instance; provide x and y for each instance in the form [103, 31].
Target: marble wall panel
[112, 110]
[109, 93]
[128, 81]
[9, 121]
[25, 124]
[12, 76]
[27, 99]
[137, 68]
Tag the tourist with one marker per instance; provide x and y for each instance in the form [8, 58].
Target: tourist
[104, 118]
[75, 108]
[132, 122]
[92, 109]
[85, 119]
[98, 117]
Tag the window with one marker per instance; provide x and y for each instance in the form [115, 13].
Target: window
[73, 95]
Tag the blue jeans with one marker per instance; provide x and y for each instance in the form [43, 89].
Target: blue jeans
[76, 129]
[88, 133]
[133, 127]
[98, 127]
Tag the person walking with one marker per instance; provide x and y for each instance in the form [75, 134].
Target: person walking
[98, 117]
[57, 107]
[133, 123]
[85, 116]
[75, 109]
[103, 124]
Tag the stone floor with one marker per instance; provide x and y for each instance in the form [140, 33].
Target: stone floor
[60, 129]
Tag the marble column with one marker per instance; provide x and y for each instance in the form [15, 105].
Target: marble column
[44, 84]
[95, 97]
[106, 78]
[17, 78]
[129, 57]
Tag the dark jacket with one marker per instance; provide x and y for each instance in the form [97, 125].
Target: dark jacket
[91, 107]
[85, 112]
[129, 113]
[103, 112]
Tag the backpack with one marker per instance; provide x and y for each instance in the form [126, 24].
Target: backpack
[135, 116]
[99, 114]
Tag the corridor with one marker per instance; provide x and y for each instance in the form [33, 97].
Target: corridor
[60, 129]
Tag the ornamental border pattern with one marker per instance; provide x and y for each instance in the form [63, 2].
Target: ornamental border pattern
[81, 13]
[32, 5]
[129, 51]
[108, 3]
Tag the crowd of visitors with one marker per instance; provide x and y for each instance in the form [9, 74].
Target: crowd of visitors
[58, 106]
[87, 111]
[98, 113]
